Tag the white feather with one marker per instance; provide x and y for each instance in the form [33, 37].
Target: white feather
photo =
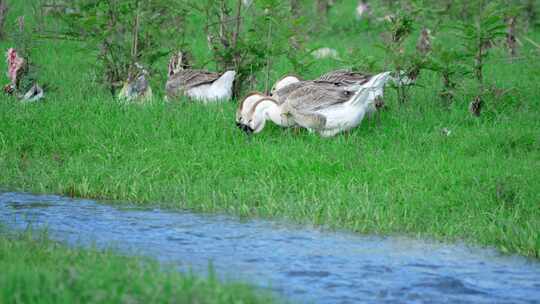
[219, 90]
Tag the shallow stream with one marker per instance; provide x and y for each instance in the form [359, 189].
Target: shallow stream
[304, 265]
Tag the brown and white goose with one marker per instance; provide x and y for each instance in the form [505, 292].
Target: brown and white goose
[137, 88]
[325, 110]
[22, 84]
[199, 85]
[245, 111]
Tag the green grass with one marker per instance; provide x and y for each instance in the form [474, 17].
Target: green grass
[37, 270]
[402, 176]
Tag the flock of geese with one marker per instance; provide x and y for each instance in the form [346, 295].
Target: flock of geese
[335, 102]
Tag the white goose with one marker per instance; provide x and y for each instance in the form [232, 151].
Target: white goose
[199, 85]
[245, 111]
[327, 111]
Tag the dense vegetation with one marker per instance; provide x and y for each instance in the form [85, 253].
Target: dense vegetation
[37, 270]
[423, 167]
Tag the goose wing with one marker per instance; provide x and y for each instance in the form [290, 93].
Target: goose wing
[192, 78]
[282, 94]
[346, 77]
[314, 97]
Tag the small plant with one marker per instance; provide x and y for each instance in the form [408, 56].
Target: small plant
[322, 7]
[423, 45]
[512, 12]
[531, 13]
[405, 65]
[124, 33]
[449, 64]
[478, 37]
[246, 47]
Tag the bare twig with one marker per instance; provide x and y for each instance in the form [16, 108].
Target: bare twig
[511, 36]
[238, 22]
[268, 58]
[135, 42]
[532, 42]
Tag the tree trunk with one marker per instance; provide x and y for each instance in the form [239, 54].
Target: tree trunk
[322, 12]
[511, 37]
[295, 8]
[3, 16]
[295, 12]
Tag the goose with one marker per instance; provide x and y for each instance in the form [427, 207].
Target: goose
[22, 84]
[137, 88]
[325, 110]
[199, 85]
[287, 84]
[290, 83]
[245, 112]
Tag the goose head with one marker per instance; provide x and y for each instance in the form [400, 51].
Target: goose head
[283, 82]
[260, 113]
[244, 111]
[178, 62]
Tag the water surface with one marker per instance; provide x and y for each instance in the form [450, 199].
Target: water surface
[305, 265]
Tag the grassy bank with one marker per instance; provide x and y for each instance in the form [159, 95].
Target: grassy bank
[403, 175]
[37, 270]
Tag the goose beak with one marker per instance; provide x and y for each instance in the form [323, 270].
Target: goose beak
[244, 128]
[248, 130]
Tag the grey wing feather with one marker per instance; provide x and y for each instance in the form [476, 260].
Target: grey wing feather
[188, 79]
[313, 98]
[282, 94]
[346, 77]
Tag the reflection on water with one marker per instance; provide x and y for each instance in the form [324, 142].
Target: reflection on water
[302, 264]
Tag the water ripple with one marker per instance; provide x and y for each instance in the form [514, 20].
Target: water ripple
[305, 265]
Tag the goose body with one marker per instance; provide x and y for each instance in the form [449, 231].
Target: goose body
[330, 114]
[322, 107]
[201, 85]
[198, 85]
